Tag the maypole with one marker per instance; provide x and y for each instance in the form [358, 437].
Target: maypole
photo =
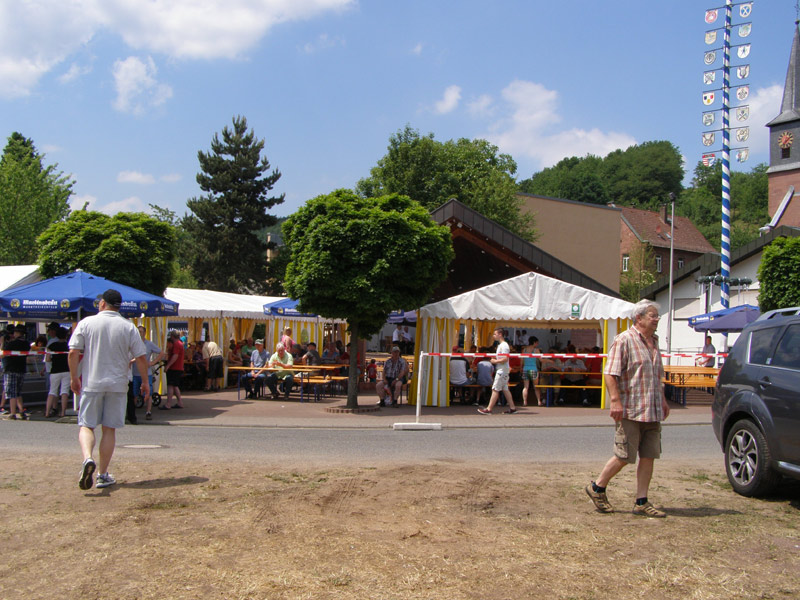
[742, 114]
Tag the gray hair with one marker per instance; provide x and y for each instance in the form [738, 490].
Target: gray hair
[641, 307]
[279, 346]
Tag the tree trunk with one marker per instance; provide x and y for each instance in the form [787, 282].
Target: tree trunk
[352, 379]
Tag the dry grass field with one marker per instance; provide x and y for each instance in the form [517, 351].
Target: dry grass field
[439, 530]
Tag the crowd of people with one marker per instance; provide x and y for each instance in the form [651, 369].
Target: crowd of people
[535, 375]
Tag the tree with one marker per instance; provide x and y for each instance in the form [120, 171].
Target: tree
[643, 175]
[184, 248]
[32, 196]
[640, 273]
[130, 248]
[431, 172]
[779, 275]
[360, 258]
[571, 178]
[230, 255]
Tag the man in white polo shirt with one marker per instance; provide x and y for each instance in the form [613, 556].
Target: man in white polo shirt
[108, 341]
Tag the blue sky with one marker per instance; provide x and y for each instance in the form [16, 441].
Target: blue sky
[123, 93]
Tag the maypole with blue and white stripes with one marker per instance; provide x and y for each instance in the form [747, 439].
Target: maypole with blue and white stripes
[742, 114]
[725, 240]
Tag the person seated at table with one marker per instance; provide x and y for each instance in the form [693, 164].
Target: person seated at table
[311, 357]
[233, 359]
[395, 371]
[287, 341]
[258, 360]
[281, 358]
[708, 348]
[330, 355]
[594, 376]
[247, 347]
[575, 370]
[459, 371]
[552, 367]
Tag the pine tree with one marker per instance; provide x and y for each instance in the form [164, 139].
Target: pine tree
[229, 255]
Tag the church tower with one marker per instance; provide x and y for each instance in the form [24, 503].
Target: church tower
[784, 146]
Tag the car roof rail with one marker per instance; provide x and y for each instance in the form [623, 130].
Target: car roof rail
[780, 312]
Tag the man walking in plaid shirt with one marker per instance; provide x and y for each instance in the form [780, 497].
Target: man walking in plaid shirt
[633, 376]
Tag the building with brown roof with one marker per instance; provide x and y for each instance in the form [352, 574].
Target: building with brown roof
[642, 228]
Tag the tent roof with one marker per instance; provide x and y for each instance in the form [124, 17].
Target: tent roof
[209, 304]
[529, 297]
[17, 275]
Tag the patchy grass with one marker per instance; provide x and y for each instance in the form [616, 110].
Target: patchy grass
[410, 531]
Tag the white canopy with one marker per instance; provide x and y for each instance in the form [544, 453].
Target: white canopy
[529, 297]
[16, 275]
[208, 304]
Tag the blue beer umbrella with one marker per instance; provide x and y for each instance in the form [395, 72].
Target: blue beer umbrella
[285, 307]
[58, 297]
[706, 317]
[731, 322]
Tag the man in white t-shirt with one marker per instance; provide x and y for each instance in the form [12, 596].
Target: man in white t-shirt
[107, 341]
[501, 374]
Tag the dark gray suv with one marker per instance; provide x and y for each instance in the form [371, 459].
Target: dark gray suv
[756, 409]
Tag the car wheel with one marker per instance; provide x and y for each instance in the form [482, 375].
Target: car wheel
[747, 460]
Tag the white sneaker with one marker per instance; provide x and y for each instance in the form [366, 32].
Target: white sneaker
[105, 480]
[87, 470]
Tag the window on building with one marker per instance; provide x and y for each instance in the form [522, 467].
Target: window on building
[625, 262]
[680, 263]
[786, 152]
[658, 263]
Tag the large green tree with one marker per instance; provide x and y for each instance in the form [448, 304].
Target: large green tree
[184, 248]
[702, 203]
[360, 258]
[779, 275]
[225, 224]
[32, 196]
[129, 248]
[432, 172]
[571, 178]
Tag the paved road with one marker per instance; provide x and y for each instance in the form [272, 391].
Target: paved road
[542, 444]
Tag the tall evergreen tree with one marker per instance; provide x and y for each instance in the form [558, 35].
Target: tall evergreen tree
[230, 256]
[32, 197]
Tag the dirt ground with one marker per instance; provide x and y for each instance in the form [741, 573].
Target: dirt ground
[441, 530]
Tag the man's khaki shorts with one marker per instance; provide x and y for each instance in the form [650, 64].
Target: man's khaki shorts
[631, 437]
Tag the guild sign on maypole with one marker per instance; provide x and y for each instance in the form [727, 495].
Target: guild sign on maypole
[724, 16]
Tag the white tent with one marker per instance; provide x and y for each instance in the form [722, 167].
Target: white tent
[15, 275]
[209, 304]
[529, 299]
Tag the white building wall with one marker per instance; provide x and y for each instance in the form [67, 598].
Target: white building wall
[690, 299]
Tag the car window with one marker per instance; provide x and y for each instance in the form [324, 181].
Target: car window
[761, 343]
[787, 354]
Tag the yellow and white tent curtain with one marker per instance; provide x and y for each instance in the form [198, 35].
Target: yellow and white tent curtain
[303, 331]
[436, 335]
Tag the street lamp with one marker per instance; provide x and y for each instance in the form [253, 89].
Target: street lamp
[671, 261]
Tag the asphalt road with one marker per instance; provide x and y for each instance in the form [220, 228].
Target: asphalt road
[541, 444]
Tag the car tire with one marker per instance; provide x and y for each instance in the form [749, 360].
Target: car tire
[747, 460]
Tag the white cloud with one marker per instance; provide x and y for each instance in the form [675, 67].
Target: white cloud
[136, 85]
[449, 101]
[765, 105]
[323, 42]
[218, 29]
[132, 204]
[482, 106]
[170, 178]
[530, 129]
[41, 34]
[50, 148]
[78, 202]
[135, 177]
[417, 50]
[74, 72]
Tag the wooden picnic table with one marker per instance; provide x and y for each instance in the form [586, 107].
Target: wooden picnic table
[682, 377]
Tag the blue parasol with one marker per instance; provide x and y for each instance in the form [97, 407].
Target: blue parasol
[286, 307]
[58, 297]
[731, 322]
[698, 319]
